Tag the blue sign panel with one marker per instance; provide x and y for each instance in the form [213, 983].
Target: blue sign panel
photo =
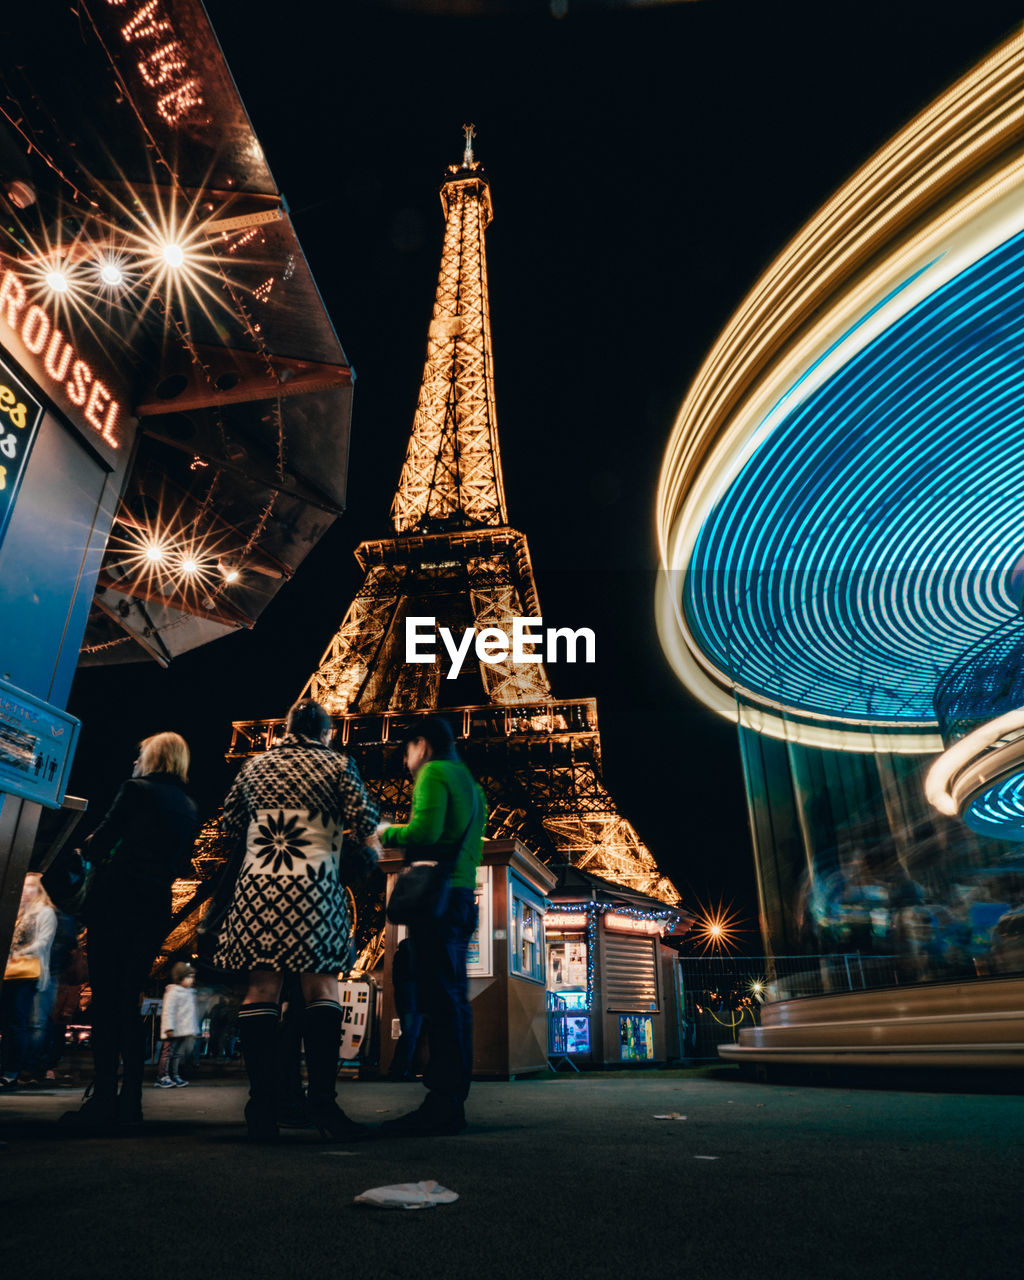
[20, 416]
[37, 745]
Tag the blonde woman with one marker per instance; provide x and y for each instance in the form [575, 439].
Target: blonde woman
[142, 845]
[33, 937]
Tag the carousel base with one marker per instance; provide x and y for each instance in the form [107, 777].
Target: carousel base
[977, 1024]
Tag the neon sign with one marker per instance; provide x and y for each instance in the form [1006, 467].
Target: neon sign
[628, 924]
[164, 65]
[565, 919]
[70, 375]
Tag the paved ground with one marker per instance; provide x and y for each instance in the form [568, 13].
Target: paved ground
[563, 1177]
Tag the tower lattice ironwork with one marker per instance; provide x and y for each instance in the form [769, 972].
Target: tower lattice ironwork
[454, 557]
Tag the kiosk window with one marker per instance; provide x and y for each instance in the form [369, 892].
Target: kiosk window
[526, 950]
[567, 965]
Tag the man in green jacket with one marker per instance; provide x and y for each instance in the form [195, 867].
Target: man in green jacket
[447, 824]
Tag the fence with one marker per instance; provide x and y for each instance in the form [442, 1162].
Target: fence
[720, 995]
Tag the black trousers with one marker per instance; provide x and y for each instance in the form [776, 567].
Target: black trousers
[442, 992]
[121, 951]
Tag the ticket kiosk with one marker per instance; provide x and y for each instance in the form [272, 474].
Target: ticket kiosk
[611, 993]
[507, 963]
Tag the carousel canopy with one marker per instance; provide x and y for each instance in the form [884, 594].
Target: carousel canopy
[137, 183]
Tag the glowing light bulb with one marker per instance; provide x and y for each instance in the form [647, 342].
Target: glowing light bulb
[154, 553]
[189, 564]
[716, 929]
[57, 280]
[231, 575]
[111, 274]
[173, 255]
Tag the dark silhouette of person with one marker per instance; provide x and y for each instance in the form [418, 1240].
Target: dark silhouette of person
[403, 976]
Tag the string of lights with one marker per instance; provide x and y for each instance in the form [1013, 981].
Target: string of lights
[32, 146]
[107, 644]
[734, 1022]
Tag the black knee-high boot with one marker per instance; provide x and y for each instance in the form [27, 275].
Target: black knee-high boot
[321, 1035]
[257, 1030]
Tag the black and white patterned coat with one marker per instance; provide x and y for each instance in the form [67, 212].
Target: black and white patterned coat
[290, 806]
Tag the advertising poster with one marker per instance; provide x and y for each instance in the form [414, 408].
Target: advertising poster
[355, 1013]
[480, 949]
[636, 1038]
[20, 415]
[567, 965]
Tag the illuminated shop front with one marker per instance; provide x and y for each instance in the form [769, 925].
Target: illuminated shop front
[505, 963]
[839, 515]
[564, 966]
[611, 980]
[174, 402]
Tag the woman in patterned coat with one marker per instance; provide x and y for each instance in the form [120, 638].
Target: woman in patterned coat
[289, 911]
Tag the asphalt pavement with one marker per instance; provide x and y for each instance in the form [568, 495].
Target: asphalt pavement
[557, 1177]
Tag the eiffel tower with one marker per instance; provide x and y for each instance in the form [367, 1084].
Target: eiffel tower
[455, 558]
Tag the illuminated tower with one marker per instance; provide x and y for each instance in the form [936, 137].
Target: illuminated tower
[455, 558]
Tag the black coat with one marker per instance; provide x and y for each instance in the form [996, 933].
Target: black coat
[142, 845]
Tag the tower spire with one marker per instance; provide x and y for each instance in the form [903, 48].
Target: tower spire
[451, 477]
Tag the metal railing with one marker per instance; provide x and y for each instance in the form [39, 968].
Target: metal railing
[574, 717]
[720, 995]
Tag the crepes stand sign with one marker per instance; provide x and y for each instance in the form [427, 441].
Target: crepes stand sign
[20, 416]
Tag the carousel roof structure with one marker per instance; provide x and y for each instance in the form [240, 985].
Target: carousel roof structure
[139, 202]
[841, 501]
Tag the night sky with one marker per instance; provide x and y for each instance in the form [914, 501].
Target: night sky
[646, 166]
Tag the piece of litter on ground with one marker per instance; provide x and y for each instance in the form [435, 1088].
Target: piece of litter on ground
[339, 1153]
[705, 1157]
[670, 1115]
[382, 1111]
[408, 1195]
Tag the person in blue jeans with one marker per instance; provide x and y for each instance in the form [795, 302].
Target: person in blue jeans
[403, 978]
[447, 825]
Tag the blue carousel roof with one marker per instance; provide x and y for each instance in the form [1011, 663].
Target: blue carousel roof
[869, 537]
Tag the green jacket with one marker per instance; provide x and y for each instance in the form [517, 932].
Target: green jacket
[442, 804]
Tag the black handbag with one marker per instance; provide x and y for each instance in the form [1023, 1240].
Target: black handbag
[70, 874]
[67, 880]
[420, 895]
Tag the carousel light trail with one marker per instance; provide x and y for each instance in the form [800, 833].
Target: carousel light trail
[847, 564]
[840, 505]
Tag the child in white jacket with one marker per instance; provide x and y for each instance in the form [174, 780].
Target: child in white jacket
[178, 1024]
